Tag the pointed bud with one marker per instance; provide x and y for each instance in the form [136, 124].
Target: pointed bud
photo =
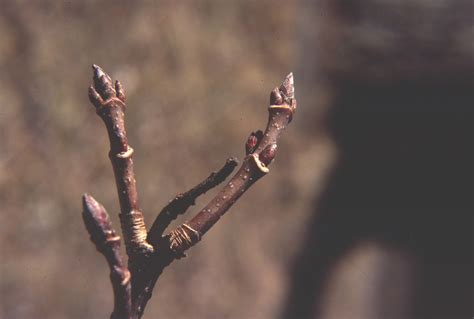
[268, 154]
[96, 219]
[252, 142]
[120, 90]
[103, 83]
[288, 87]
[98, 72]
[95, 98]
[275, 97]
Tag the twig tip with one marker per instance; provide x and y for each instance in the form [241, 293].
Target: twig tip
[288, 86]
[86, 198]
[103, 83]
[98, 71]
[91, 206]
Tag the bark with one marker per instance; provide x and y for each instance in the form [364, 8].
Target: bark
[150, 253]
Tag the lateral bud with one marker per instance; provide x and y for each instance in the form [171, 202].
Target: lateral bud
[268, 154]
[252, 142]
[275, 97]
[97, 221]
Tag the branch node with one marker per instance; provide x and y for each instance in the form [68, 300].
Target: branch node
[126, 278]
[180, 239]
[195, 232]
[262, 167]
[282, 106]
[137, 234]
[183, 201]
[128, 153]
[113, 239]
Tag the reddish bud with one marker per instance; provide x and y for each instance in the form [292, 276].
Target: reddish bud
[253, 141]
[96, 219]
[250, 145]
[268, 154]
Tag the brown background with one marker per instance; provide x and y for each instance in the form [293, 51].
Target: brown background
[197, 76]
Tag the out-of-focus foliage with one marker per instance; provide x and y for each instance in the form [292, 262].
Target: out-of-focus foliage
[197, 76]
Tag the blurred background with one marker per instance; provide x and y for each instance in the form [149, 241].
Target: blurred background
[367, 211]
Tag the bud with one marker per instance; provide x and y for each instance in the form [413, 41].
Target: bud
[287, 88]
[268, 154]
[252, 142]
[103, 83]
[96, 219]
[275, 97]
[120, 90]
[250, 145]
[95, 98]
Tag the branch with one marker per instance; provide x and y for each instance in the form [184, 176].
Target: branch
[149, 254]
[108, 244]
[109, 101]
[183, 201]
[260, 151]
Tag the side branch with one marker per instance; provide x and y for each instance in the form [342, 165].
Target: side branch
[107, 243]
[109, 101]
[183, 201]
[261, 150]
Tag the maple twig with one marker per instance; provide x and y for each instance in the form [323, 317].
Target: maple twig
[150, 253]
[260, 151]
[107, 242]
[109, 101]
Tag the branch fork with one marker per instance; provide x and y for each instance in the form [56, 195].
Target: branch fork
[150, 252]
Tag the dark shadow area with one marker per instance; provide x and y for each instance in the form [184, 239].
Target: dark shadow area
[404, 179]
[401, 117]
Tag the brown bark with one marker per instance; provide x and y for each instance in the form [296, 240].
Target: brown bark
[254, 166]
[109, 101]
[108, 244]
[183, 201]
[149, 253]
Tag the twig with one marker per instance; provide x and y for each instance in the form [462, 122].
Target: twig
[150, 253]
[261, 150]
[108, 244]
[254, 166]
[183, 201]
[109, 101]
